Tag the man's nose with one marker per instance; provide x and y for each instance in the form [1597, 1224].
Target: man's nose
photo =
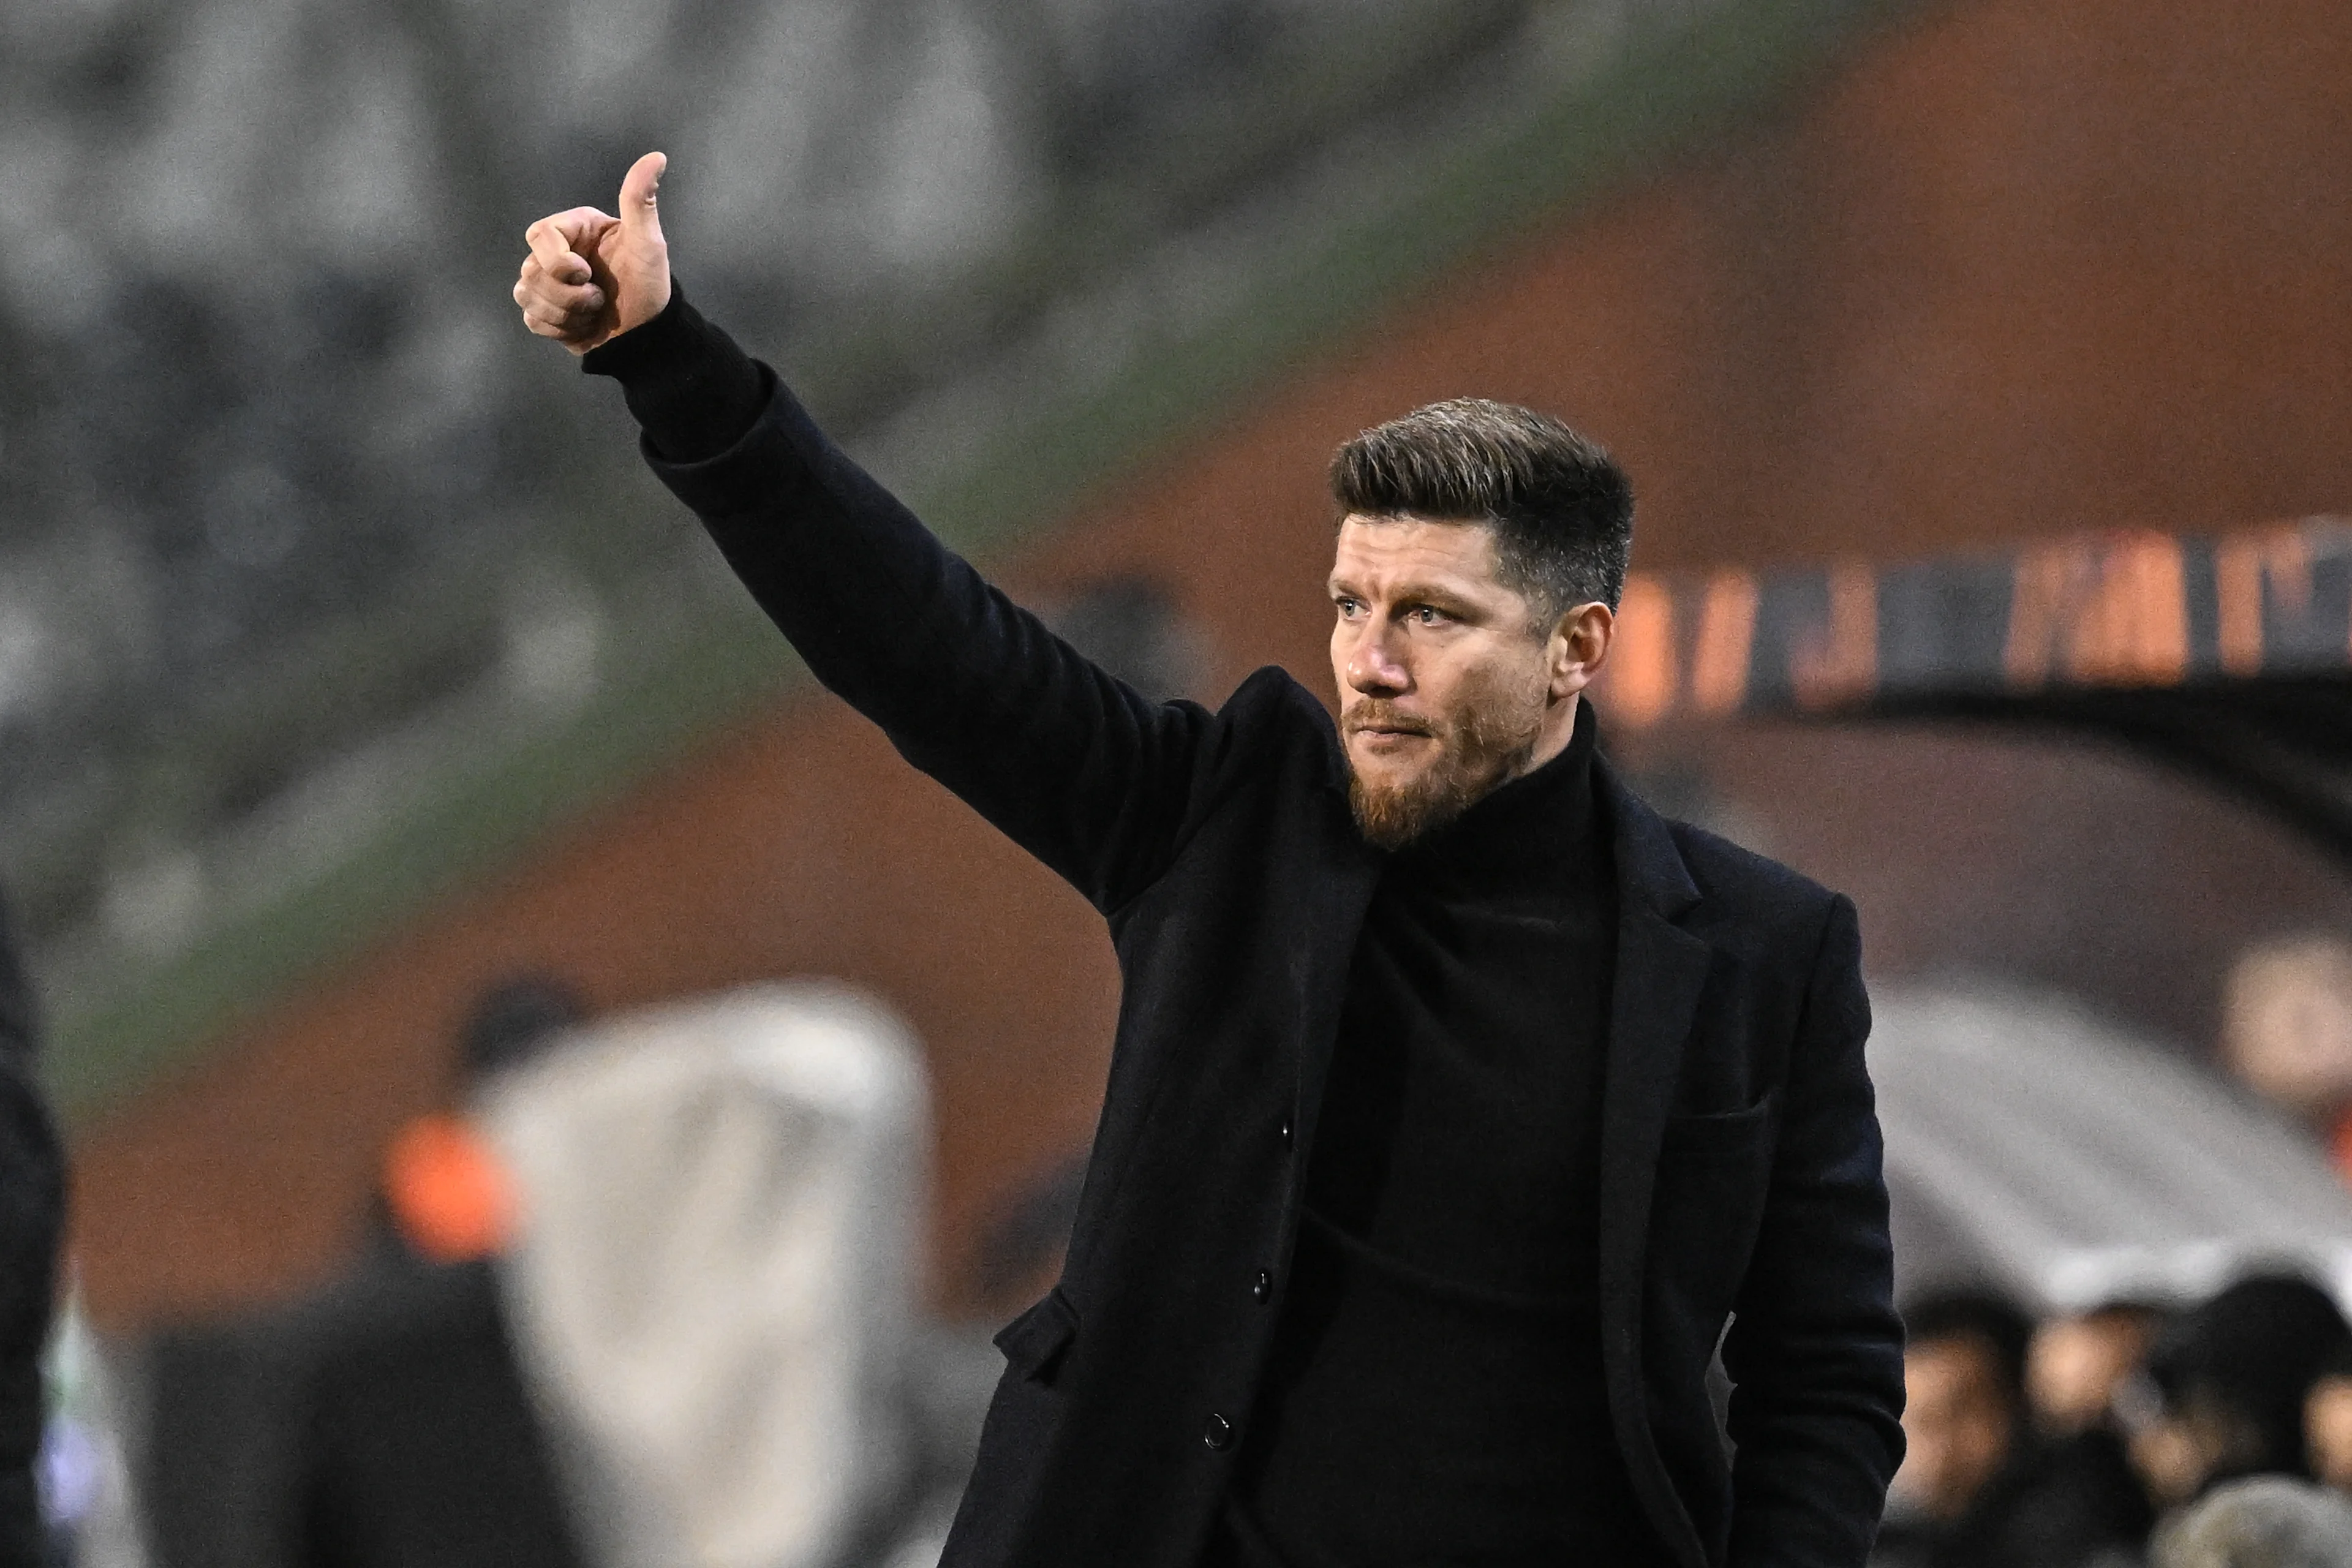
[1372, 666]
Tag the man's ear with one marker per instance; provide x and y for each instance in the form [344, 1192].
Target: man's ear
[1580, 645]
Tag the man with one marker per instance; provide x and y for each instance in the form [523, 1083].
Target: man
[1978, 1486]
[1460, 1106]
[2327, 1423]
[2232, 1377]
[418, 1439]
[1963, 1372]
[381, 1420]
[2079, 1362]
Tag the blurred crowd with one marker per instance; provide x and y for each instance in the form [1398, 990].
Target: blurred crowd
[639, 1290]
[2138, 1431]
[2217, 1437]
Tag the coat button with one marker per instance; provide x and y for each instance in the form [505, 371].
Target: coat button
[1218, 1434]
[1285, 1132]
[1263, 1286]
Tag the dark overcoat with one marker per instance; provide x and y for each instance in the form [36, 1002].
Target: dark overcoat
[380, 1420]
[1740, 1159]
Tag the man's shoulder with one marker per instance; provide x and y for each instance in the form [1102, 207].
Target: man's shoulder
[1270, 713]
[1724, 869]
[1739, 888]
[1271, 693]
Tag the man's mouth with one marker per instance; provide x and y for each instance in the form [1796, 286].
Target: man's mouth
[1385, 735]
[1375, 722]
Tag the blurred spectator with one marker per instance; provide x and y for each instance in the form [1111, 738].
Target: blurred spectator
[453, 1202]
[2327, 1423]
[2077, 1367]
[2231, 1379]
[2271, 1522]
[417, 1442]
[32, 1216]
[2286, 1033]
[1963, 1377]
[515, 1022]
[2077, 1362]
[382, 1421]
[1979, 1489]
[716, 1287]
[418, 1438]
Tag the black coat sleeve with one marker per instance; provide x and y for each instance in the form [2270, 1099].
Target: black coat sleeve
[1815, 1349]
[32, 1217]
[1080, 770]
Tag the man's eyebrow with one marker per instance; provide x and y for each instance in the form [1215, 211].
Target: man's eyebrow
[1435, 594]
[1413, 591]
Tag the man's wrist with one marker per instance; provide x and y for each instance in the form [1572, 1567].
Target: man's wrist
[625, 352]
[691, 389]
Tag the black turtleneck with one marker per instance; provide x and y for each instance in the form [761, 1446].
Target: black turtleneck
[1434, 1393]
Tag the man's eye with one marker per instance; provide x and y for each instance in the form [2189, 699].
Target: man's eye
[1346, 607]
[1426, 614]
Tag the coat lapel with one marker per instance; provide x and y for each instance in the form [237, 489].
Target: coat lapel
[1660, 971]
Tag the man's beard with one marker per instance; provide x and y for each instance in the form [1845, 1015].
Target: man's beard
[1491, 741]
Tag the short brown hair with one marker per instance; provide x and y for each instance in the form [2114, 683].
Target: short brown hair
[1561, 509]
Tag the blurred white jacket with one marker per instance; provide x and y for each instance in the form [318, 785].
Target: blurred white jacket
[715, 1287]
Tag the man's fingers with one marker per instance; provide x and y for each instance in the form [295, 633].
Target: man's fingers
[561, 242]
[560, 311]
[578, 342]
[536, 283]
[577, 333]
[551, 251]
[572, 229]
[554, 315]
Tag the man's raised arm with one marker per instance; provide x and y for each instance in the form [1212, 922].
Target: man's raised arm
[1083, 771]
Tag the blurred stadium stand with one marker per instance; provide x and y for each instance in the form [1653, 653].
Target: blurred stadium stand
[316, 593]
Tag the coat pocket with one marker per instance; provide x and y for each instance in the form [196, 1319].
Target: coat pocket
[1035, 1341]
[1715, 1175]
[1721, 1133]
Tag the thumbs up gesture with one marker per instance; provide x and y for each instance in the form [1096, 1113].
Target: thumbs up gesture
[591, 276]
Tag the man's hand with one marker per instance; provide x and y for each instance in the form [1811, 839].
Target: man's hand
[591, 276]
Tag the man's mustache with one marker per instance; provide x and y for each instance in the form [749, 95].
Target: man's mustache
[1373, 713]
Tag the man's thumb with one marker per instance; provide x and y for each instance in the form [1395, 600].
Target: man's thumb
[640, 220]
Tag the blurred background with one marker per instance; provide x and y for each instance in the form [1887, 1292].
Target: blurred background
[394, 787]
